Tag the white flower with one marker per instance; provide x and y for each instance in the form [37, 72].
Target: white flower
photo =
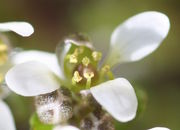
[138, 37]
[22, 28]
[69, 127]
[131, 41]
[65, 127]
[6, 119]
[159, 128]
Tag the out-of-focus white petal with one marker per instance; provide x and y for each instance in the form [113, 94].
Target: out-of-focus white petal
[46, 58]
[31, 79]
[118, 98]
[159, 128]
[68, 127]
[22, 28]
[6, 119]
[138, 37]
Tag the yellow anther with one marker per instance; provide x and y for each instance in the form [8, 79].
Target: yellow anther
[85, 61]
[73, 58]
[76, 52]
[77, 78]
[1, 78]
[3, 48]
[3, 53]
[106, 68]
[96, 55]
[88, 74]
[3, 58]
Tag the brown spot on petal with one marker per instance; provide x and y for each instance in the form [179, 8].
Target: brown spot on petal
[86, 124]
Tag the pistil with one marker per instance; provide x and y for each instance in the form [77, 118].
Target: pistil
[88, 74]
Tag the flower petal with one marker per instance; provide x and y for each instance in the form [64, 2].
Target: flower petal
[22, 28]
[138, 37]
[31, 79]
[68, 127]
[6, 119]
[61, 51]
[159, 128]
[46, 58]
[118, 98]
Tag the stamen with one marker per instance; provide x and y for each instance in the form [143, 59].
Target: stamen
[1, 78]
[3, 58]
[73, 59]
[86, 61]
[96, 55]
[106, 70]
[3, 53]
[88, 75]
[3, 47]
[76, 52]
[76, 78]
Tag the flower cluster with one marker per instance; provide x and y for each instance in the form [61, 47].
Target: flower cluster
[75, 88]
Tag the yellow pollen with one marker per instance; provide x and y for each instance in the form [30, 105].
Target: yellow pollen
[1, 78]
[88, 74]
[3, 53]
[77, 78]
[85, 61]
[96, 56]
[3, 58]
[73, 58]
[76, 52]
[3, 47]
[106, 68]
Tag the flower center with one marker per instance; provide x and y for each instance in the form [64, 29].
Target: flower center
[80, 64]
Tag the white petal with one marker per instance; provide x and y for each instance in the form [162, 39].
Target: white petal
[159, 128]
[22, 28]
[138, 37]
[31, 79]
[68, 127]
[6, 119]
[118, 98]
[46, 58]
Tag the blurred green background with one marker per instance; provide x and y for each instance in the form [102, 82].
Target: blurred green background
[158, 74]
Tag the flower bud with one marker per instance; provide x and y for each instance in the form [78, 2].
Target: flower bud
[53, 108]
[91, 122]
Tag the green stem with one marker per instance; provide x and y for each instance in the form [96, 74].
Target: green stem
[88, 83]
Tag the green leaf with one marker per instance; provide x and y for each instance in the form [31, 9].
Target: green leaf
[37, 125]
